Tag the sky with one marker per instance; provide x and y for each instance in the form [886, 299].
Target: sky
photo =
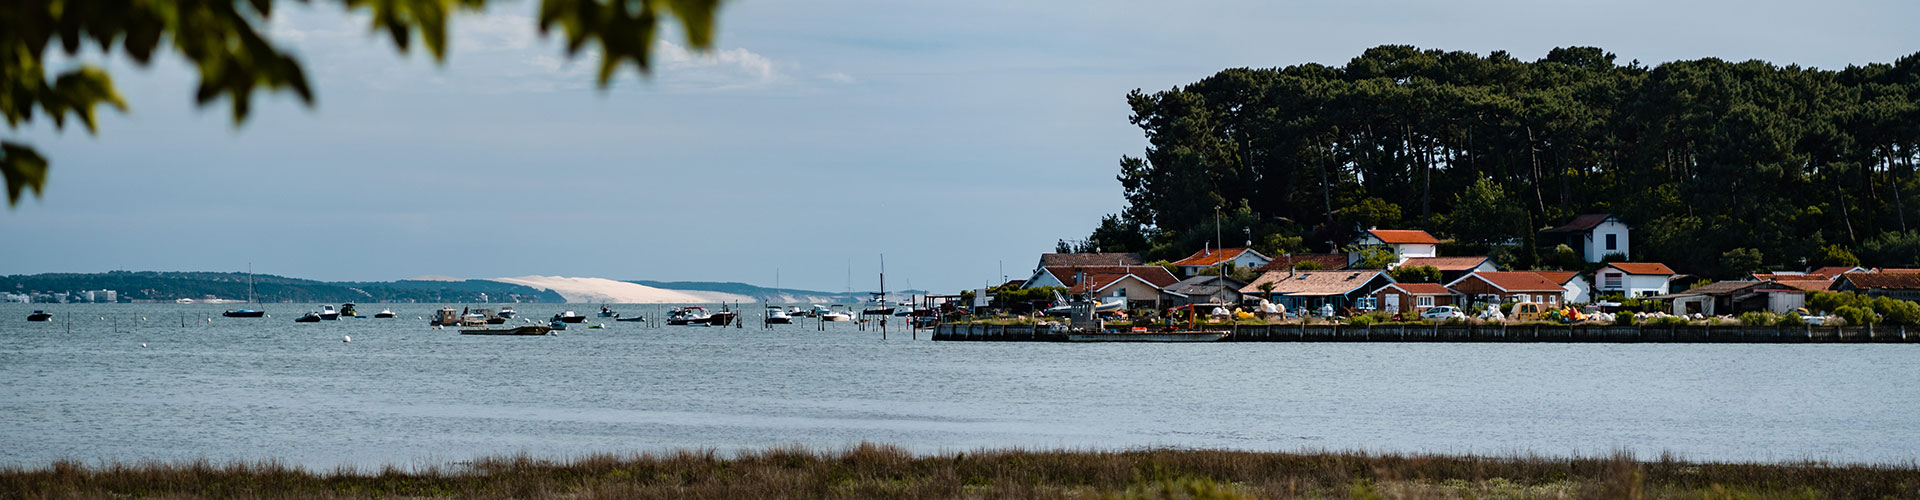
[958, 139]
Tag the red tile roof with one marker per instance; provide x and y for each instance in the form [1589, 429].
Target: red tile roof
[1895, 270]
[1420, 288]
[1446, 263]
[1404, 236]
[1312, 283]
[1516, 281]
[1582, 223]
[1832, 271]
[1327, 261]
[1812, 285]
[1211, 257]
[1641, 267]
[1884, 280]
[1561, 277]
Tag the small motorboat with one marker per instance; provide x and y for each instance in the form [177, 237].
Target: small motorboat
[329, 314]
[723, 318]
[557, 325]
[524, 330]
[39, 316]
[690, 315]
[310, 317]
[778, 316]
[244, 313]
[837, 312]
[608, 313]
[384, 313]
[348, 311]
[569, 317]
[507, 312]
[635, 318]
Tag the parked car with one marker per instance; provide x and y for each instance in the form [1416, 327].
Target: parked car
[1813, 320]
[1527, 311]
[1442, 313]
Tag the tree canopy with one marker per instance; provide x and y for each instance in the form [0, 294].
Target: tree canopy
[1701, 157]
[222, 39]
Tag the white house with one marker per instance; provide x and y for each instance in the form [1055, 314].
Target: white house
[1243, 258]
[1406, 244]
[1592, 236]
[1633, 279]
[1578, 291]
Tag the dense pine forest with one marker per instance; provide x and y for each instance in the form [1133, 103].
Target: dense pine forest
[1722, 168]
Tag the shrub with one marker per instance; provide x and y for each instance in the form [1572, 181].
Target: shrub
[1361, 320]
[1790, 320]
[1857, 315]
[1896, 311]
[1415, 274]
[1756, 318]
[1666, 321]
[1623, 318]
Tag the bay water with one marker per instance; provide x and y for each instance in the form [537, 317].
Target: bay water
[140, 382]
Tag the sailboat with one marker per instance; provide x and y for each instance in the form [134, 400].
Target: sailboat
[877, 306]
[246, 313]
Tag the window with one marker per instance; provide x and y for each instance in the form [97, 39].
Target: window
[1553, 299]
[1611, 281]
[1613, 242]
[1120, 292]
[1424, 301]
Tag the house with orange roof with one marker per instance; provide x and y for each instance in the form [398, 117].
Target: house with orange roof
[1405, 244]
[1240, 258]
[1578, 291]
[1593, 236]
[1412, 297]
[1452, 268]
[1508, 286]
[1309, 291]
[1899, 285]
[1633, 279]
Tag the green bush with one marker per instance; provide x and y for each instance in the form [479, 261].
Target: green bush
[1857, 315]
[1361, 320]
[1623, 318]
[1415, 274]
[1790, 320]
[1759, 318]
[1666, 321]
[1896, 311]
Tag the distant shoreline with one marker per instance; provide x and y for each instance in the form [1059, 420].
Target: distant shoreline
[884, 471]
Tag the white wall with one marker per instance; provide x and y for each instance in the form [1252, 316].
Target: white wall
[1249, 260]
[1631, 285]
[1597, 241]
[1578, 291]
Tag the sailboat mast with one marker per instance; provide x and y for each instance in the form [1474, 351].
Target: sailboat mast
[249, 282]
[883, 280]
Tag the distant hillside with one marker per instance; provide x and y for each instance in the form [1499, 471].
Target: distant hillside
[168, 286]
[765, 294]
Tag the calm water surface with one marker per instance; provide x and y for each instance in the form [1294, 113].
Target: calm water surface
[83, 387]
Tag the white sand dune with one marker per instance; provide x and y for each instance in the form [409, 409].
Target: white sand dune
[602, 290]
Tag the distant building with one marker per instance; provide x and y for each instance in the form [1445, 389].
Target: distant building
[15, 297]
[1308, 291]
[1899, 285]
[106, 296]
[1592, 236]
[1734, 297]
[1404, 243]
[1243, 258]
[1633, 279]
[1205, 290]
[1088, 259]
[1578, 290]
[1508, 286]
[1452, 268]
[1413, 297]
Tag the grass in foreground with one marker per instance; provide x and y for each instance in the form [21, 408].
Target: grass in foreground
[880, 471]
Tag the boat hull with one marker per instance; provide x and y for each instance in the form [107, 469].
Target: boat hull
[636, 318]
[572, 319]
[39, 317]
[529, 330]
[244, 313]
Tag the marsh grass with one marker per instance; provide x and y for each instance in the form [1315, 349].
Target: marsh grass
[881, 471]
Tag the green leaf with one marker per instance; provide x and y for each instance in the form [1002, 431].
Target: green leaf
[24, 169]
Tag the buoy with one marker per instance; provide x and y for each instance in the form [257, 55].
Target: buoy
[346, 338]
[143, 346]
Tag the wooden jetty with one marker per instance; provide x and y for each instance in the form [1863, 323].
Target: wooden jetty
[1695, 334]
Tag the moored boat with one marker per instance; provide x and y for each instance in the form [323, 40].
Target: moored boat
[524, 330]
[778, 316]
[635, 318]
[690, 315]
[328, 313]
[40, 316]
[837, 312]
[607, 313]
[507, 312]
[569, 317]
[309, 317]
[384, 313]
[244, 313]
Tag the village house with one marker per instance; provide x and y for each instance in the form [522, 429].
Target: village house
[1577, 289]
[1412, 297]
[1204, 290]
[1452, 268]
[1404, 243]
[1308, 291]
[1899, 285]
[1088, 259]
[1633, 279]
[1496, 287]
[1306, 262]
[1592, 236]
[1139, 286]
[1735, 297]
[1238, 258]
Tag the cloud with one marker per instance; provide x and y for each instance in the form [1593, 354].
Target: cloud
[838, 77]
[735, 68]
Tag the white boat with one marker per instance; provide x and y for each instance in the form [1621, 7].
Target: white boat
[384, 313]
[690, 315]
[327, 313]
[778, 316]
[569, 317]
[837, 312]
[506, 312]
[1061, 308]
